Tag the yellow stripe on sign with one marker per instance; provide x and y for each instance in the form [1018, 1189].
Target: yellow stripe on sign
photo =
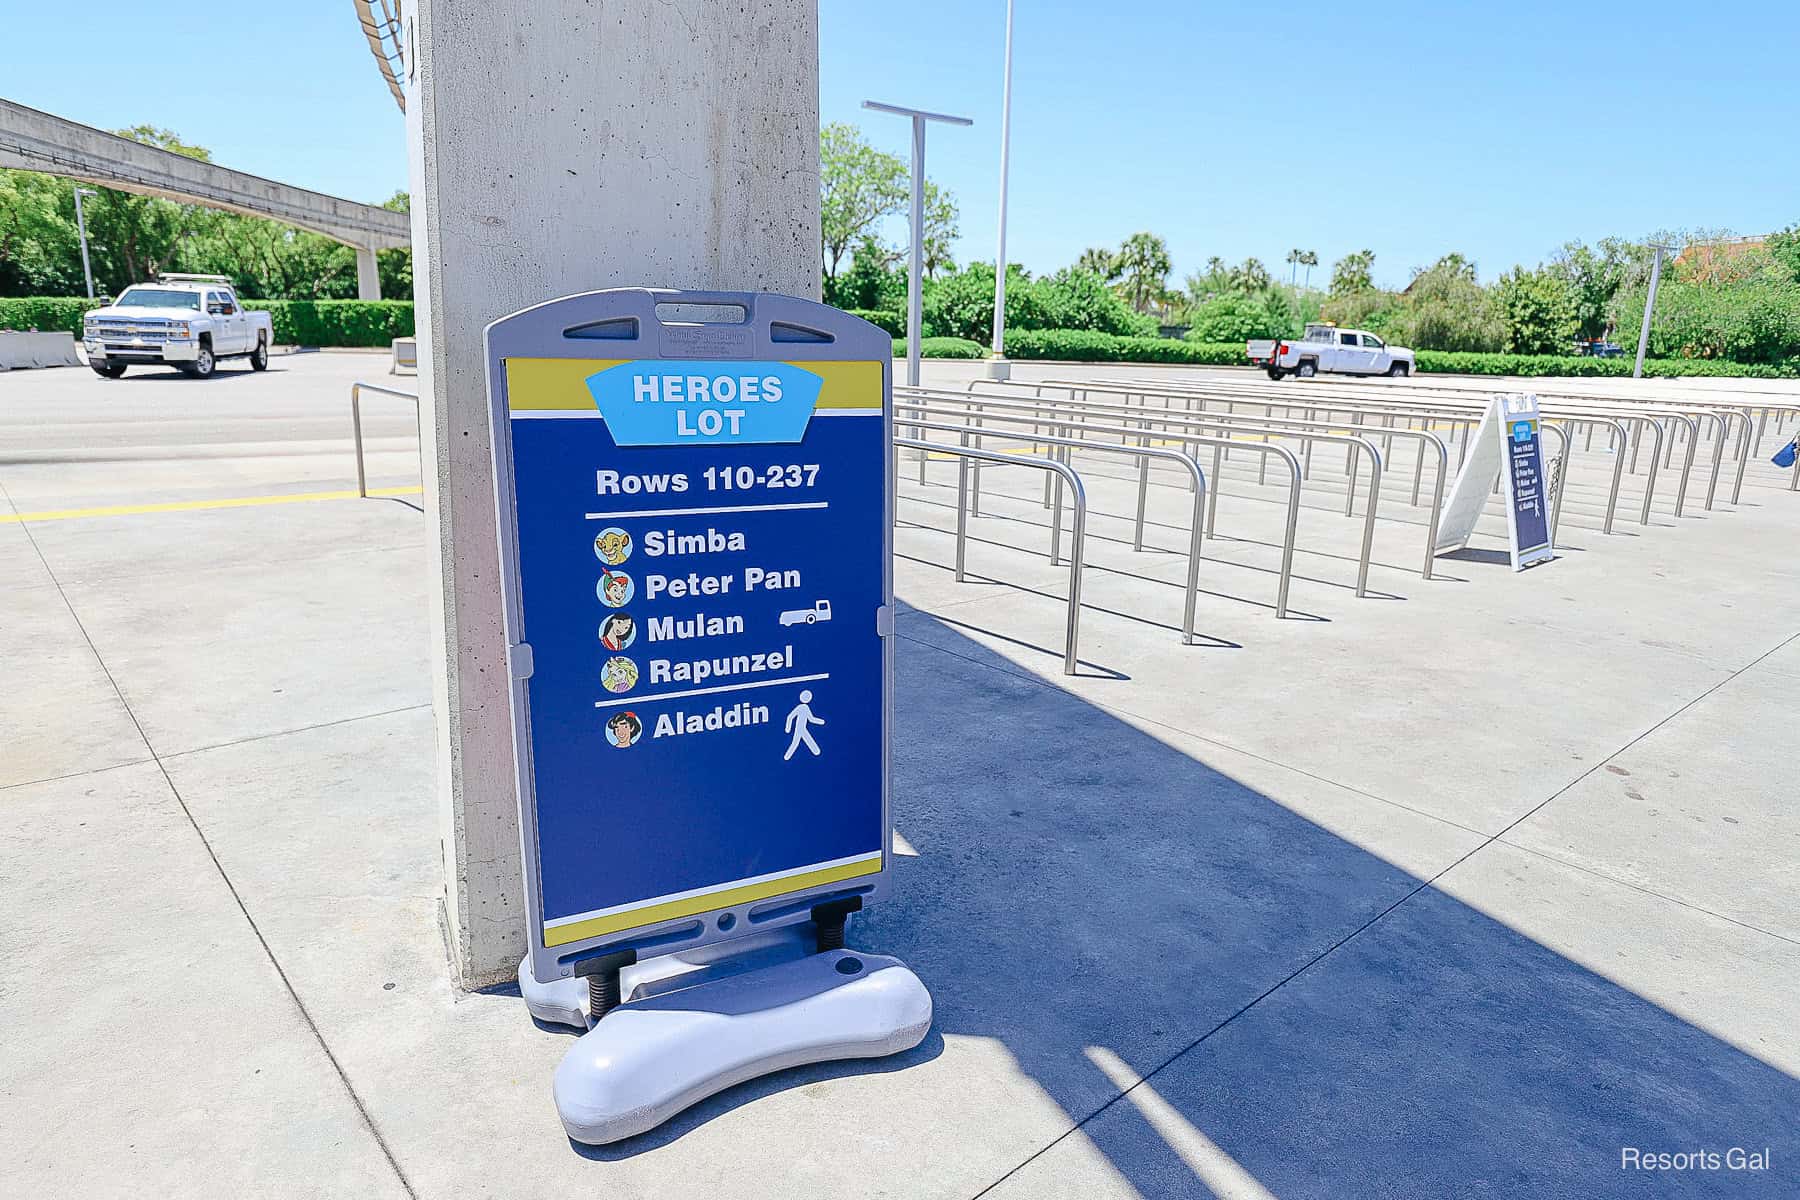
[562, 935]
[552, 384]
[133, 510]
[847, 384]
[560, 384]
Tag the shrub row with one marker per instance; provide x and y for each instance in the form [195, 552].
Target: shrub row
[337, 322]
[942, 347]
[1078, 345]
[46, 314]
[1082, 345]
[297, 322]
[1469, 363]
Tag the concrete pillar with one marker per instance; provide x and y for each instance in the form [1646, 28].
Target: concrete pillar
[368, 275]
[560, 146]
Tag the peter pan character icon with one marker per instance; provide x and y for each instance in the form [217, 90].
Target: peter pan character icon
[614, 588]
[618, 631]
[613, 545]
[619, 674]
[624, 729]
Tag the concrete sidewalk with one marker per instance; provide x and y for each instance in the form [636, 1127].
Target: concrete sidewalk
[1459, 889]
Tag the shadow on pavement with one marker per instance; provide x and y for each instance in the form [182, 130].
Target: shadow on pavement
[1104, 906]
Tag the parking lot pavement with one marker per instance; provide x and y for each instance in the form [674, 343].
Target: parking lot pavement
[1460, 888]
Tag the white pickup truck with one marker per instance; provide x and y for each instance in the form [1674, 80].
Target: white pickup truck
[1325, 347]
[185, 321]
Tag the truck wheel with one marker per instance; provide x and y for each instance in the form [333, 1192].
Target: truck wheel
[1277, 374]
[203, 364]
[1307, 370]
[108, 370]
[259, 357]
[1398, 371]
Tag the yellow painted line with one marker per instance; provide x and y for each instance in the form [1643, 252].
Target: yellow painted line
[562, 935]
[133, 510]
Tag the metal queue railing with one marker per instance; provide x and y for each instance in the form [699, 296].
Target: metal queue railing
[356, 391]
[1461, 417]
[1167, 419]
[951, 404]
[1144, 453]
[1077, 532]
[1682, 416]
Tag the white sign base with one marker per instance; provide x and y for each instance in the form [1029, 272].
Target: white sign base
[691, 1029]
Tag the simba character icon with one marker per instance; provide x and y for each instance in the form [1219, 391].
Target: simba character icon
[614, 588]
[624, 729]
[613, 545]
[618, 631]
[797, 722]
[619, 674]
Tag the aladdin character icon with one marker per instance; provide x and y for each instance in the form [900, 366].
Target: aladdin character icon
[618, 631]
[614, 589]
[619, 674]
[624, 729]
[613, 545]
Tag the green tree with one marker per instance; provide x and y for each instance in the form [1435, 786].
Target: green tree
[1446, 308]
[1238, 318]
[1538, 309]
[1143, 270]
[1309, 259]
[941, 217]
[1293, 261]
[1353, 273]
[1594, 276]
[871, 282]
[859, 187]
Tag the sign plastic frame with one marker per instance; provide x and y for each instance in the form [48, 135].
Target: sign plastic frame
[623, 324]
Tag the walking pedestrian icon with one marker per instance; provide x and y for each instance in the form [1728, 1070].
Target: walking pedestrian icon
[797, 724]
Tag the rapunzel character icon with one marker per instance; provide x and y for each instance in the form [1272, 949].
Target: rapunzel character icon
[619, 674]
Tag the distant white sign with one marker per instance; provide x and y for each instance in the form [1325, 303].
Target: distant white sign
[1506, 447]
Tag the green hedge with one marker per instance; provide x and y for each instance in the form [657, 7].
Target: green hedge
[1079, 345]
[1083, 345]
[942, 347]
[1466, 363]
[297, 322]
[47, 314]
[337, 322]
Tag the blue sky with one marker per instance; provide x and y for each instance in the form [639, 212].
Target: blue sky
[1409, 129]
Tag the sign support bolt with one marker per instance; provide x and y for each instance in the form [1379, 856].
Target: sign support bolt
[603, 980]
[830, 918]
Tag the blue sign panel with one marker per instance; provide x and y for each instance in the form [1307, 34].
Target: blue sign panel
[699, 563]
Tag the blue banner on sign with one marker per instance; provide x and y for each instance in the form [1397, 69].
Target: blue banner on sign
[676, 403]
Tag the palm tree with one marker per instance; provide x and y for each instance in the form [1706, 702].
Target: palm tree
[1309, 259]
[1143, 268]
[1098, 260]
[1293, 258]
[1250, 276]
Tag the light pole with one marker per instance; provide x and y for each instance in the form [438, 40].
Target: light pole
[914, 286]
[1637, 372]
[81, 226]
[998, 367]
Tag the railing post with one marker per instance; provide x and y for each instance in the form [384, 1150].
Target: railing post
[362, 479]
